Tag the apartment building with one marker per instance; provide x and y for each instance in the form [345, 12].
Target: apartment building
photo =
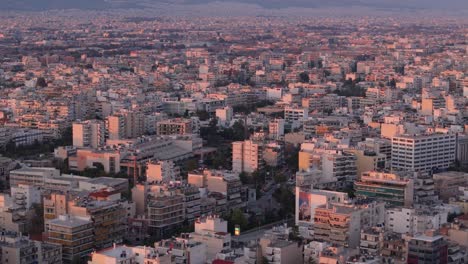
[176, 126]
[276, 247]
[336, 165]
[276, 128]
[446, 183]
[404, 220]
[109, 219]
[13, 216]
[161, 171]
[16, 248]
[125, 124]
[89, 134]
[428, 248]
[212, 231]
[165, 212]
[377, 145]
[295, 114]
[423, 152]
[225, 183]
[74, 234]
[27, 137]
[126, 254]
[428, 105]
[183, 249]
[388, 187]
[376, 242]
[247, 156]
[369, 161]
[340, 224]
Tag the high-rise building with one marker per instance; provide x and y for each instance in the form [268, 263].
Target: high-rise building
[247, 156]
[423, 152]
[89, 133]
[116, 127]
[165, 213]
[126, 124]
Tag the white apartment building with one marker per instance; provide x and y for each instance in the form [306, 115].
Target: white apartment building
[26, 195]
[295, 115]
[90, 133]
[423, 152]
[127, 254]
[246, 156]
[409, 220]
[212, 231]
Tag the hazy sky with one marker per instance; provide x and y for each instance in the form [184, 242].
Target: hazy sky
[102, 4]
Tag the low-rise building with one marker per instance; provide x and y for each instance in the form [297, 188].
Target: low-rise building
[212, 231]
[126, 254]
[388, 187]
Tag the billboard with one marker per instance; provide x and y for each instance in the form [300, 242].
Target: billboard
[304, 206]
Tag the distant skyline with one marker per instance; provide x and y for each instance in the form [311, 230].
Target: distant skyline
[434, 5]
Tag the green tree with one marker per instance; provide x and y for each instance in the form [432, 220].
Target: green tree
[190, 165]
[285, 197]
[279, 178]
[239, 132]
[41, 82]
[304, 77]
[203, 115]
[238, 218]
[292, 160]
[244, 178]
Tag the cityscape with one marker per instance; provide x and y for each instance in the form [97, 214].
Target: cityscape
[233, 132]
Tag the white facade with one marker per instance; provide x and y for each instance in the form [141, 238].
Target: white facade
[246, 156]
[26, 195]
[90, 133]
[423, 153]
[293, 113]
[212, 231]
[125, 254]
[412, 221]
